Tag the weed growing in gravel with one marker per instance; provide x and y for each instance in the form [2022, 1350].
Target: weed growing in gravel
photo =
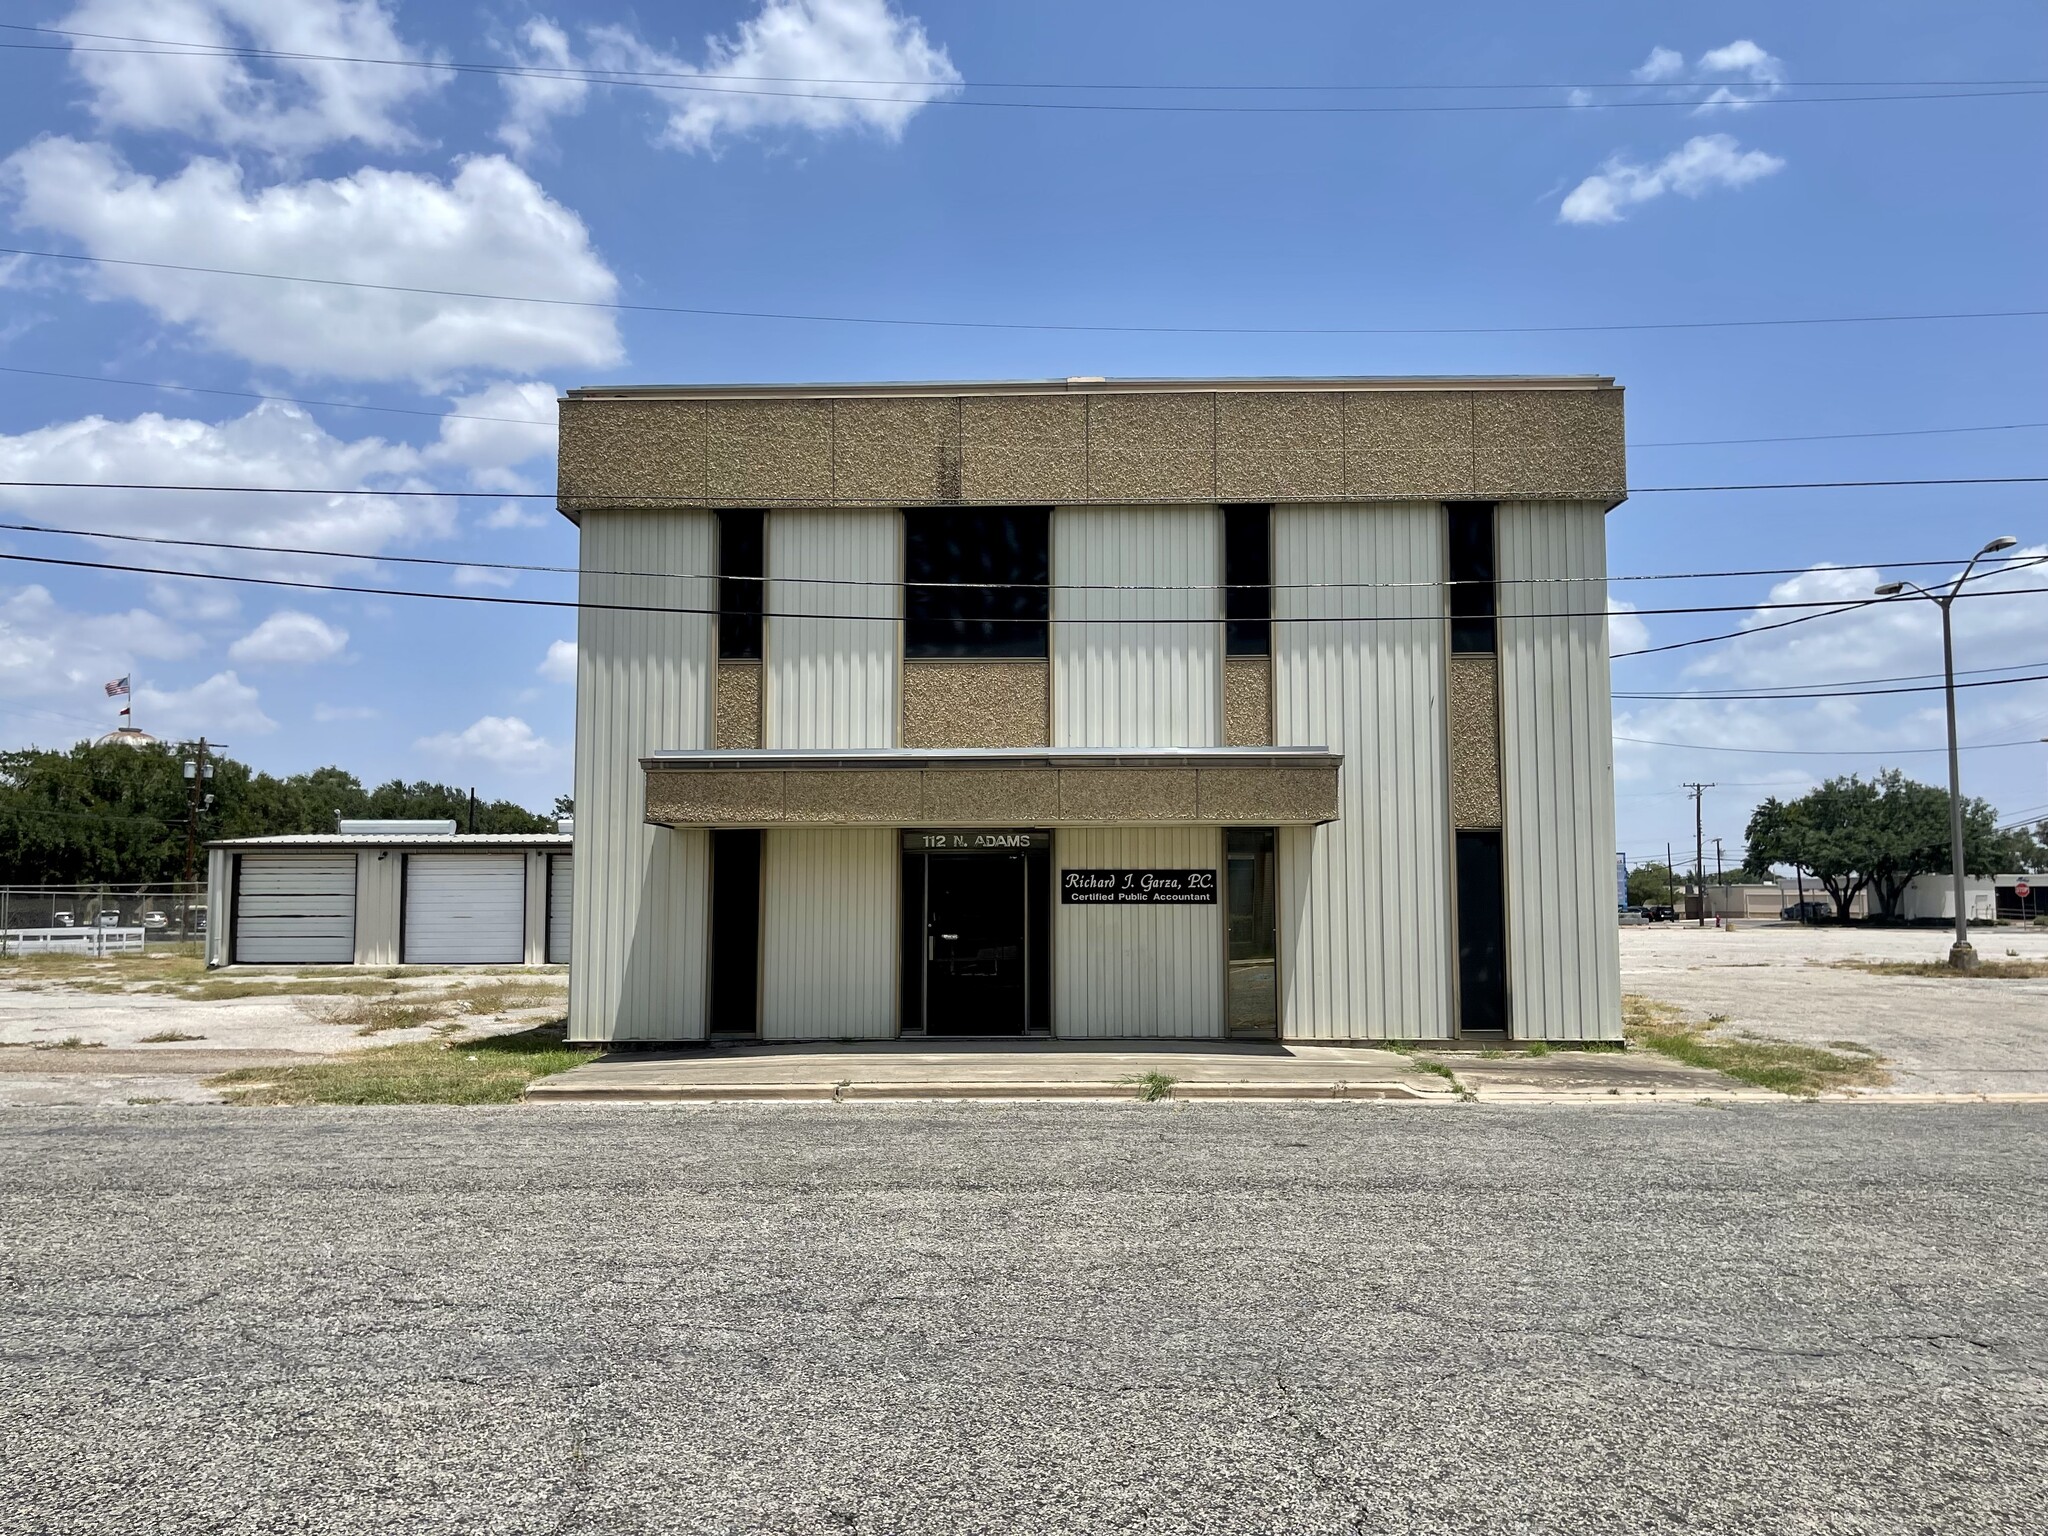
[1987, 970]
[1783, 1066]
[1536, 1048]
[493, 1069]
[1430, 1064]
[1153, 1086]
[169, 1037]
[70, 1043]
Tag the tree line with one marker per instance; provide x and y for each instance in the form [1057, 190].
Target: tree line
[116, 814]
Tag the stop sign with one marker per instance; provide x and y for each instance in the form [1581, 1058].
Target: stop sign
[2022, 890]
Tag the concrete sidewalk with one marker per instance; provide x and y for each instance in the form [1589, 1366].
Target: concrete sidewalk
[1069, 1069]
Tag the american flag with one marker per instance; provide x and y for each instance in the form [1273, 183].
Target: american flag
[117, 688]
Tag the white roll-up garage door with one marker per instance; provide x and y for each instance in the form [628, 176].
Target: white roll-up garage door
[465, 908]
[295, 908]
[561, 883]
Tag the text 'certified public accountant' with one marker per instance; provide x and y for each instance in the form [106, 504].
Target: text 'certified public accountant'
[1138, 887]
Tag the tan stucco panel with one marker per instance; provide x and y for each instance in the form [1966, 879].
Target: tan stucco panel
[735, 799]
[1151, 447]
[976, 703]
[768, 451]
[1267, 796]
[1273, 446]
[853, 797]
[889, 451]
[1023, 448]
[1475, 742]
[1113, 795]
[737, 707]
[1248, 701]
[1562, 444]
[626, 451]
[990, 797]
[1408, 444]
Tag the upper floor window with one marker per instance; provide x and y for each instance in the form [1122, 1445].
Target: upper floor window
[987, 571]
[740, 584]
[1472, 576]
[1247, 581]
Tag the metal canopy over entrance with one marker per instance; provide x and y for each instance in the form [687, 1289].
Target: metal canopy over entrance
[976, 932]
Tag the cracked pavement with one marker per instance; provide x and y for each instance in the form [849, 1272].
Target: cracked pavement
[1212, 1317]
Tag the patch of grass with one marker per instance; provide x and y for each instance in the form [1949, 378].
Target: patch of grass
[1536, 1048]
[169, 1037]
[381, 1015]
[70, 1043]
[1153, 1086]
[1431, 1064]
[1987, 970]
[1717, 1018]
[105, 973]
[495, 997]
[1491, 1054]
[1783, 1066]
[493, 1070]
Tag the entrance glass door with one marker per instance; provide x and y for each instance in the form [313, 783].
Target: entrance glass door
[977, 950]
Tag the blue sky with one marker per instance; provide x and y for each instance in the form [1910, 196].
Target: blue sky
[1627, 209]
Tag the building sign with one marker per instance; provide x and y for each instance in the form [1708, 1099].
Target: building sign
[974, 840]
[1138, 887]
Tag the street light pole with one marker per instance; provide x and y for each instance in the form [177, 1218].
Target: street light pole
[1961, 955]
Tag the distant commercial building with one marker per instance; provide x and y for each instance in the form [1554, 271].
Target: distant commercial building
[389, 893]
[1100, 709]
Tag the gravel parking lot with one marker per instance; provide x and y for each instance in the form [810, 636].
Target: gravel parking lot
[1938, 1035]
[1158, 1318]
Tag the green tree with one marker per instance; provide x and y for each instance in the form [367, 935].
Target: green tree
[1649, 883]
[1881, 833]
[2022, 850]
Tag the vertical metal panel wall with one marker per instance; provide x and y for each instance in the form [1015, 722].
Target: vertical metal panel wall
[379, 879]
[1365, 900]
[1557, 772]
[828, 934]
[1137, 971]
[220, 875]
[1140, 684]
[640, 913]
[832, 682]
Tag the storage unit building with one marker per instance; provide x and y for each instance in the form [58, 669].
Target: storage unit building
[387, 899]
[1094, 708]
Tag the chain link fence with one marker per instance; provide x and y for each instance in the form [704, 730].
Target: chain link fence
[170, 912]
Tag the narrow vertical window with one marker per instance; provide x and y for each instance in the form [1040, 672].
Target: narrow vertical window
[1473, 593]
[1482, 935]
[1247, 581]
[740, 587]
[977, 581]
[1248, 878]
[735, 931]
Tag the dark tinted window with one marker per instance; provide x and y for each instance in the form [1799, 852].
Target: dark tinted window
[990, 568]
[739, 585]
[1248, 581]
[1482, 935]
[1472, 577]
[735, 931]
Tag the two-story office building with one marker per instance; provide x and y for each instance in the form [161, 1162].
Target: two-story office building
[1102, 709]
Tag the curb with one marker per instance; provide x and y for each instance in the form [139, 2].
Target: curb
[539, 1091]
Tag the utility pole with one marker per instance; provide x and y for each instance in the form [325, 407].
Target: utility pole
[1670, 879]
[1717, 861]
[198, 775]
[1699, 843]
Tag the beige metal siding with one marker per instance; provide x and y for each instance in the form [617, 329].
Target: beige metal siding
[1365, 900]
[831, 682]
[1557, 761]
[1144, 684]
[828, 934]
[643, 680]
[1137, 971]
[379, 876]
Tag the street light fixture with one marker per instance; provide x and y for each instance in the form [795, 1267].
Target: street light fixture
[1961, 955]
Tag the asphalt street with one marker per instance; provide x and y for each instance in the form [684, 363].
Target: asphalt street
[1024, 1318]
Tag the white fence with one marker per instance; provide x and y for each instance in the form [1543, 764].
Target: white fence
[71, 941]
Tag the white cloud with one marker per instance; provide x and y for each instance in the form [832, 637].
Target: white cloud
[333, 714]
[285, 105]
[1625, 632]
[824, 66]
[49, 652]
[221, 705]
[512, 514]
[273, 445]
[1662, 64]
[489, 229]
[1696, 167]
[523, 429]
[559, 665]
[1747, 63]
[532, 102]
[290, 638]
[502, 741]
[472, 577]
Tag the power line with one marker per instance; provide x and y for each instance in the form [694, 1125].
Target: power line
[564, 72]
[623, 500]
[653, 81]
[624, 306]
[1701, 746]
[542, 421]
[893, 618]
[2021, 563]
[1858, 693]
[1737, 695]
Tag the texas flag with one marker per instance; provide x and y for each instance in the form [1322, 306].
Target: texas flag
[117, 688]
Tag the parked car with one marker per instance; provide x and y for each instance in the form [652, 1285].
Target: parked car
[110, 919]
[155, 920]
[62, 920]
[1657, 912]
[1808, 912]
